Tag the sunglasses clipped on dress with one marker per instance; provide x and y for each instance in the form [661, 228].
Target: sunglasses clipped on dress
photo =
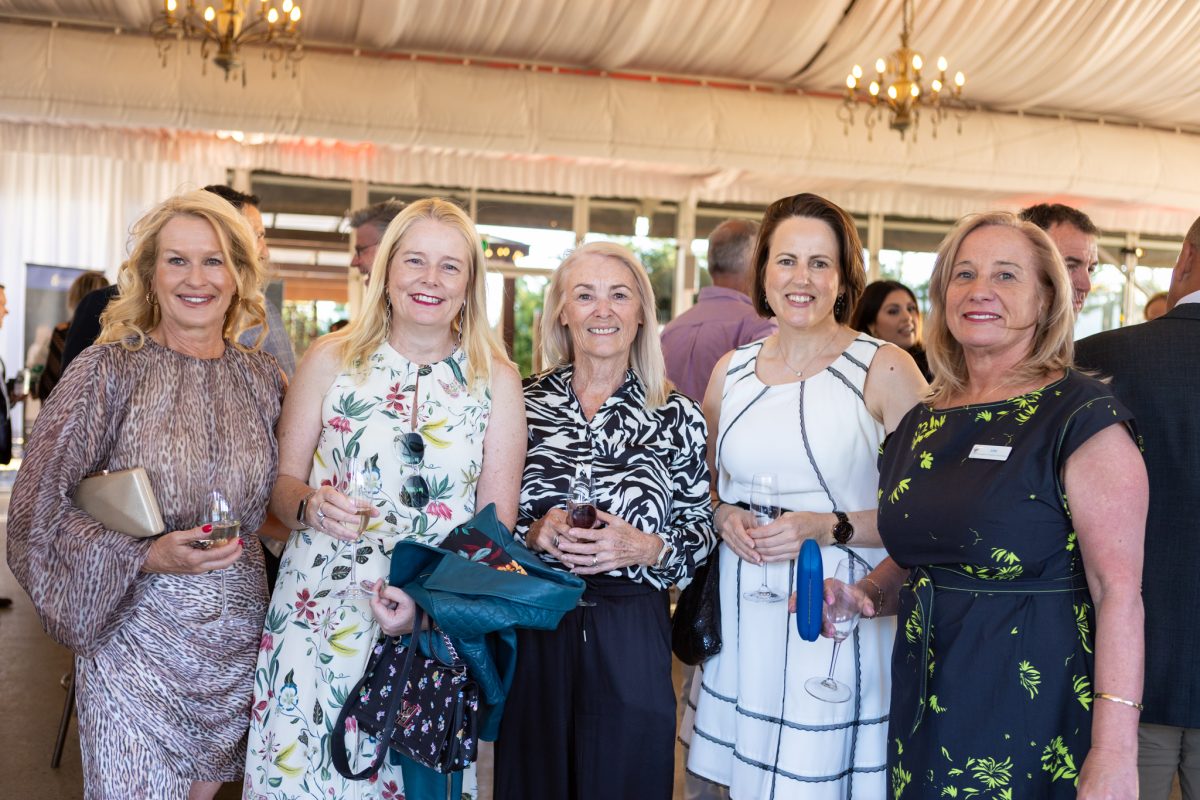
[410, 449]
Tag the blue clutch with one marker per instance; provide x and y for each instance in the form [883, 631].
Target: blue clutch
[810, 591]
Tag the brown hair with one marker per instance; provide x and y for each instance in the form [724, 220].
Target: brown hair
[851, 273]
[82, 286]
[1054, 332]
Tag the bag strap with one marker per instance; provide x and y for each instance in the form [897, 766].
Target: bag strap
[337, 741]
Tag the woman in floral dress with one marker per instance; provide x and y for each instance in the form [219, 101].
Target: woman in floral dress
[1013, 506]
[420, 358]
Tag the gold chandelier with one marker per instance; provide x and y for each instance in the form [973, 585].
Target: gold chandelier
[229, 26]
[897, 87]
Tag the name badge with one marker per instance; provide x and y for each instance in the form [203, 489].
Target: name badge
[990, 452]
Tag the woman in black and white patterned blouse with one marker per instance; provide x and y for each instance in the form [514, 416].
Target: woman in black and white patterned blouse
[592, 710]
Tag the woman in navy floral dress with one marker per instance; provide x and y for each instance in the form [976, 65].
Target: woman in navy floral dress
[1013, 503]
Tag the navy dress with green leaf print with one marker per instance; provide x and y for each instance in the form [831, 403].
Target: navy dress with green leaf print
[992, 667]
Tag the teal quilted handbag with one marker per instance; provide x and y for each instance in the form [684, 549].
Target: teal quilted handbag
[469, 598]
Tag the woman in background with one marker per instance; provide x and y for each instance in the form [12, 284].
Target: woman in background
[80, 287]
[888, 310]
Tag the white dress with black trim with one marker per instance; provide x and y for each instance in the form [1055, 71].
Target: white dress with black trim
[750, 724]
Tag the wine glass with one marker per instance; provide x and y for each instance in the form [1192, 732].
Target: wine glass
[225, 527]
[358, 491]
[764, 504]
[581, 506]
[842, 615]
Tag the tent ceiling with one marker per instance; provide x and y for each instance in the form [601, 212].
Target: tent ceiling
[1117, 59]
[90, 94]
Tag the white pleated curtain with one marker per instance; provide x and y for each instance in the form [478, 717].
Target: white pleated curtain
[73, 207]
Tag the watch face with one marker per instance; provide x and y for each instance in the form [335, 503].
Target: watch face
[843, 530]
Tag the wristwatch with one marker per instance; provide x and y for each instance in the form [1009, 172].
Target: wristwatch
[303, 509]
[664, 555]
[843, 531]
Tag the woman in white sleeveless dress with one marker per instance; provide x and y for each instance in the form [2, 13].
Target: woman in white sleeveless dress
[419, 359]
[811, 404]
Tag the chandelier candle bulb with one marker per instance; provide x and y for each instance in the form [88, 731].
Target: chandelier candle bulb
[223, 27]
[900, 89]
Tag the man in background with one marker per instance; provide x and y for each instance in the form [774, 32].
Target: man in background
[723, 317]
[1074, 235]
[1156, 306]
[277, 342]
[1153, 369]
[369, 224]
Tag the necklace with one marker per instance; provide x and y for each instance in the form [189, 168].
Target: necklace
[800, 372]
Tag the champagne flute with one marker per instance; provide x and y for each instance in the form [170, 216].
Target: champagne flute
[581, 506]
[764, 504]
[843, 616]
[225, 527]
[357, 490]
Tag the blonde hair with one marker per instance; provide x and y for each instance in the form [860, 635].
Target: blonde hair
[362, 337]
[1053, 339]
[646, 358]
[131, 315]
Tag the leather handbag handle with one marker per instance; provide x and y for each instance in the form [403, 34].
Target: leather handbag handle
[337, 742]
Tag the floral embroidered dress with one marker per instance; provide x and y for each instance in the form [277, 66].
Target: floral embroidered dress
[992, 667]
[315, 647]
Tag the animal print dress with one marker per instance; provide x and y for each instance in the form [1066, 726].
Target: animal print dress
[163, 690]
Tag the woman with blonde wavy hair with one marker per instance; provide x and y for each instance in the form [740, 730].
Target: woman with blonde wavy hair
[164, 666]
[1013, 507]
[419, 392]
[604, 411]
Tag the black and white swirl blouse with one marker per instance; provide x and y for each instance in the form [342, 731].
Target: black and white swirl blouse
[648, 467]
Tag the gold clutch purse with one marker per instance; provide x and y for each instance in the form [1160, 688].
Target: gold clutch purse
[121, 501]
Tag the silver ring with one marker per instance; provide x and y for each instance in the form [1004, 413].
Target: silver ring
[555, 542]
[595, 558]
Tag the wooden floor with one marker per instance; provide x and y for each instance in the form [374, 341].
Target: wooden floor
[31, 699]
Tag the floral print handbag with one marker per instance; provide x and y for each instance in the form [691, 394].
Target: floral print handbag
[419, 706]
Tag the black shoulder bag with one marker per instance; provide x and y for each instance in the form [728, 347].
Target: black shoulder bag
[696, 625]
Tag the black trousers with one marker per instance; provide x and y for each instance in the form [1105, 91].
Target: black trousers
[591, 713]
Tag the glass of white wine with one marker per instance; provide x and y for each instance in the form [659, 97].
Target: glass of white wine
[764, 505]
[357, 490]
[842, 616]
[225, 528]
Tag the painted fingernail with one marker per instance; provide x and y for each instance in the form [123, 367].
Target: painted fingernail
[207, 529]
